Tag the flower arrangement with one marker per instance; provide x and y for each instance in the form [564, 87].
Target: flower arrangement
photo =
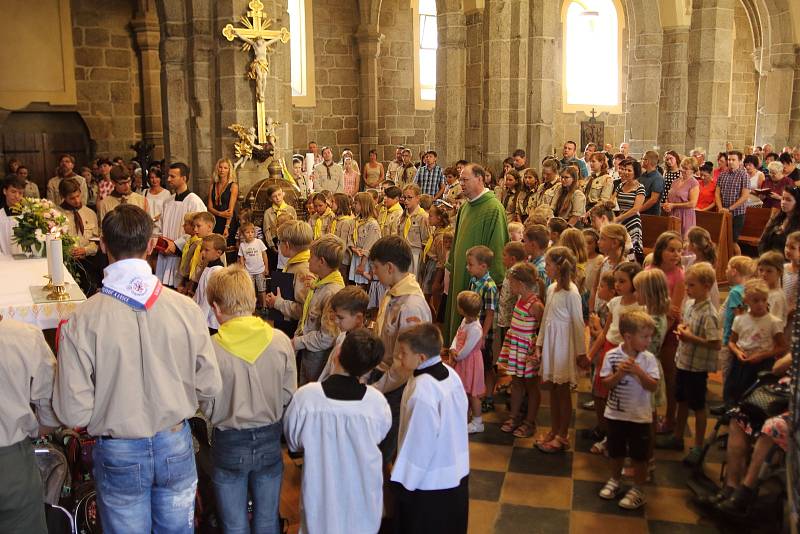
[38, 219]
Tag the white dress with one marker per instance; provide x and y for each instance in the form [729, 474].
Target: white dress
[155, 206]
[561, 335]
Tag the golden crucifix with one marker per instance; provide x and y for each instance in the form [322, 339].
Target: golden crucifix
[257, 35]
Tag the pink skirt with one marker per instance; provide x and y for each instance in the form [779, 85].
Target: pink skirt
[470, 370]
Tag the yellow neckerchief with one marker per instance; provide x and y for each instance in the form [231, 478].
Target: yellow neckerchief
[283, 206]
[429, 243]
[406, 286]
[245, 337]
[300, 257]
[337, 219]
[409, 216]
[335, 277]
[195, 261]
[384, 215]
[318, 223]
[186, 248]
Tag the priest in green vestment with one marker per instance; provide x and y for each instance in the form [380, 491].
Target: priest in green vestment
[480, 221]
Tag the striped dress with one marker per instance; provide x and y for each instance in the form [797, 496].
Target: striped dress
[520, 340]
[633, 224]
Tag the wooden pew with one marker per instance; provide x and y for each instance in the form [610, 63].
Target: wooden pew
[655, 225]
[719, 226]
[755, 220]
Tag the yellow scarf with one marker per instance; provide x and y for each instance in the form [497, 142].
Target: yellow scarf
[245, 337]
[429, 243]
[318, 223]
[280, 208]
[407, 224]
[406, 286]
[335, 277]
[384, 214]
[185, 252]
[300, 257]
[337, 219]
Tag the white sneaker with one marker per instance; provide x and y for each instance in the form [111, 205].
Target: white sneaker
[474, 428]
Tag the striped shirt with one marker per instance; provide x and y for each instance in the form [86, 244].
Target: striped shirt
[520, 340]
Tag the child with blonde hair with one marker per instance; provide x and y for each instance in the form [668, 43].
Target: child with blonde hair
[770, 269]
[560, 344]
[519, 356]
[365, 232]
[698, 243]
[516, 231]
[342, 227]
[739, 270]
[612, 245]
[430, 275]
[465, 355]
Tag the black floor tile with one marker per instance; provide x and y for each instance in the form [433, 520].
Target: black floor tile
[485, 485]
[534, 462]
[671, 474]
[585, 498]
[667, 527]
[518, 519]
[493, 435]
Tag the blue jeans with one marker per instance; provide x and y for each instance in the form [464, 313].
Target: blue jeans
[248, 459]
[147, 484]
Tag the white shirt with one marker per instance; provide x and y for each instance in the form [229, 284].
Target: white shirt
[756, 334]
[342, 467]
[616, 308]
[201, 297]
[628, 400]
[251, 252]
[474, 334]
[433, 449]
[7, 224]
[777, 304]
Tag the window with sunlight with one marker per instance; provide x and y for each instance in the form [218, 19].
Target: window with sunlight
[591, 55]
[301, 52]
[428, 43]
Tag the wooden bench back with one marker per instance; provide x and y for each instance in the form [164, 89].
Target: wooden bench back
[719, 226]
[755, 220]
[655, 225]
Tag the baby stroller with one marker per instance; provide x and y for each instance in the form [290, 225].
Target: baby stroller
[764, 399]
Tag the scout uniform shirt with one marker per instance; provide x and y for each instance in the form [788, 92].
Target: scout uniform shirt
[82, 224]
[311, 333]
[26, 378]
[133, 359]
[389, 219]
[270, 225]
[329, 177]
[343, 227]
[257, 365]
[321, 224]
[415, 230]
[112, 201]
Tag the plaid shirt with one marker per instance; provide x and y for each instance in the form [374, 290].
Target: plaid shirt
[703, 321]
[730, 185]
[487, 289]
[104, 188]
[429, 180]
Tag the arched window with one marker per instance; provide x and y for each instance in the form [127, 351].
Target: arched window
[426, 41]
[591, 60]
[302, 51]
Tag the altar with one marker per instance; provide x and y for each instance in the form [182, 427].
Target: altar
[16, 300]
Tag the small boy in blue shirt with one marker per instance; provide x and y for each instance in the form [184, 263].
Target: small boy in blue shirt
[740, 268]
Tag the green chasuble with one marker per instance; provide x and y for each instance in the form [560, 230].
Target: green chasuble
[480, 222]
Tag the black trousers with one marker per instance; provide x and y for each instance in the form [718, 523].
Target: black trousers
[432, 511]
[21, 493]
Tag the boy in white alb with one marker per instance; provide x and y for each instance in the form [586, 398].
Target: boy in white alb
[212, 248]
[631, 375]
[339, 423]
[430, 477]
[253, 255]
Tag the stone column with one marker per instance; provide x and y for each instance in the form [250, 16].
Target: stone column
[368, 40]
[644, 91]
[147, 35]
[544, 24]
[505, 31]
[451, 72]
[674, 90]
[710, 42]
[776, 82]
[175, 104]
[794, 122]
[201, 44]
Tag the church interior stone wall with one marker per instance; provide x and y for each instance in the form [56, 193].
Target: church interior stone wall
[744, 82]
[107, 73]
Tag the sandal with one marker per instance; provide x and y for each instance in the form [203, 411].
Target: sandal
[544, 438]
[510, 425]
[525, 430]
[600, 447]
[557, 444]
[610, 490]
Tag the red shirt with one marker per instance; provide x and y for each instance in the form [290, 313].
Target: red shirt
[706, 196]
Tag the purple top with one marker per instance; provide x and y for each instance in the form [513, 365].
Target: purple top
[679, 192]
[775, 187]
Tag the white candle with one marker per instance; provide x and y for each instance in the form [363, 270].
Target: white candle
[309, 163]
[55, 261]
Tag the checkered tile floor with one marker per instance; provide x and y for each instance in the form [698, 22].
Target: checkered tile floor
[516, 488]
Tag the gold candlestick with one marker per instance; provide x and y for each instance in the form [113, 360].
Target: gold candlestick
[49, 286]
[59, 293]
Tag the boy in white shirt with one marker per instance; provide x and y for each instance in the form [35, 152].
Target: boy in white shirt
[212, 247]
[430, 477]
[253, 256]
[339, 423]
[631, 375]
